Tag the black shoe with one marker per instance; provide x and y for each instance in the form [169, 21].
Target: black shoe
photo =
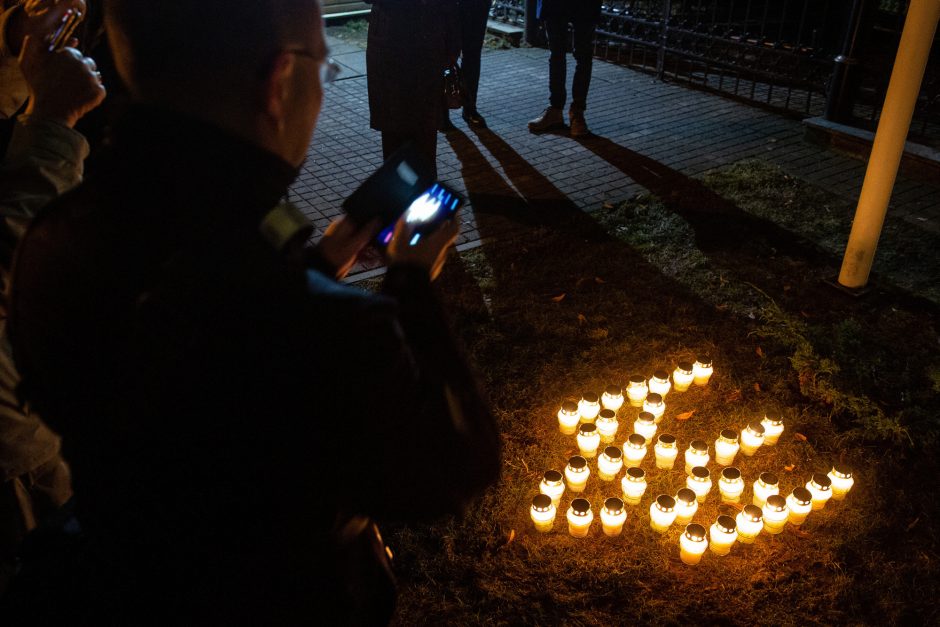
[447, 126]
[473, 118]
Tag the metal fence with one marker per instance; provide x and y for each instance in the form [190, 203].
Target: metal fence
[777, 53]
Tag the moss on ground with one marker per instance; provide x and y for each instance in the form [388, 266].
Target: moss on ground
[577, 301]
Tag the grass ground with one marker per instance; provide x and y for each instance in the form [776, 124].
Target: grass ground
[732, 265]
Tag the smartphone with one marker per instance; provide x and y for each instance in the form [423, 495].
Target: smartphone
[426, 213]
[60, 38]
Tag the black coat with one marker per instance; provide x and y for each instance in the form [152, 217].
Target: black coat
[410, 44]
[569, 9]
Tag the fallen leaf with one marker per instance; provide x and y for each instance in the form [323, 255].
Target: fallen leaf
[582, 318]
[512, 536]
[599, 280]
[913, 524]
[559, 298]
[685, 415]
[799, 532]
[790, 467]
[580, 282]
[799, 436]
[721, 307]
[734, 396]
[759, 351]
[737, 506]
[757, 387]
[787, 288]
[805, 315]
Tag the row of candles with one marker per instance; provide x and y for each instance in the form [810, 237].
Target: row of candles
[594, 420]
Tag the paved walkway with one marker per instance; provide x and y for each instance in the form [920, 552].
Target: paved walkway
[637, 118]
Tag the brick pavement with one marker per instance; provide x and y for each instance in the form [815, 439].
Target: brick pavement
[683, 129]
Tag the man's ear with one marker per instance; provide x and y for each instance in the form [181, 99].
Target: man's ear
[277, 87]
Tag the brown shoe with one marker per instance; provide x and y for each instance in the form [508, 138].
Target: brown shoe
[552, 118]
[579, 127]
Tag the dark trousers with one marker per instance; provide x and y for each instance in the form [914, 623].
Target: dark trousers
[557, 65]
[425, 143]
[473, 16]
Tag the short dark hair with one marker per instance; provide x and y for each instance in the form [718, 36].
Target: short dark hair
[165, 41]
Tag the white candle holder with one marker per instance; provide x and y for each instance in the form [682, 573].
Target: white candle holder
[589, 406]
[682, 376]
[775, 512]
[752, 436]
[666, 451]
[637, 390]
[842, 481]
[750, 522]
[662, 513]
[577, 473]
[696, 455]
[766, 484]
[645, 425]
[634, 450]
[633, 485]
[542, 513]
[702, 369]
[553, 485]
[659, 383]
[653, 403]
[607, 425]
[800, 503]
[569, 417]
[731, 485]
[692, 544]
[613, 515]
[580, 518]
[726, 447]
[686, 506]
[609, 463]
[820, 486]
[773, 427]
[700, 482]
[588, 440]
[612, 398]
[722, 535]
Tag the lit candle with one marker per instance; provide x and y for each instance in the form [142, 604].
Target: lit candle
[577, 473]
[776, 513]
[609, 463]
[752, 436]
[682, 376]
[692, 544]
[613, 515]
[612, 398]
[800, 503]
[543, 512]
[653, 403]
[662, 513]
[645, 425]
[723, 534]
[659, 383]
[580, 518]
[702, 369]
[765, 485]
[568, 418]
[820, 486]
[589, 406]
[634, 450]
[773, 427]
[731, 485]
[750, 522]
[700, 482]
[696, 455]
[726, 447]
[686, 506]
[553, 485]
[607, 425]
[633, 485]
[666, 451]
[842, 481]
[588, 439]
[637, 390]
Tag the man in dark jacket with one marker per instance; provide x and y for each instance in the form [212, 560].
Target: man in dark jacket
[233, 417]
[583, 16]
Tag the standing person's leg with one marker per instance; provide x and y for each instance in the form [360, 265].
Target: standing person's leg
[473, 16]
[584, 57]
[553, 117]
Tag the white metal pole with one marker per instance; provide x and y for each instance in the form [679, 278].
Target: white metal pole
[903, 88]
